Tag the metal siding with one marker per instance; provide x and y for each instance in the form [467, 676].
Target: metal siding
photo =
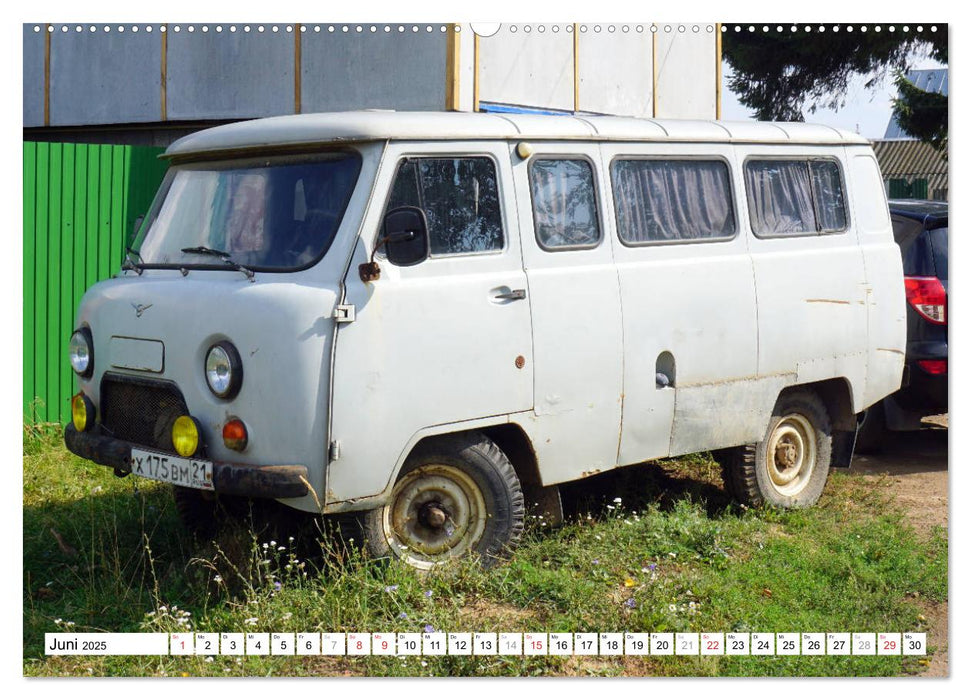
[39, 389]
[229, 75]
[30, 222]
[65, 306]
[104, 77]
[53, 280]
[905, 162]
[79, 204]
[345, 71]
[33, 75]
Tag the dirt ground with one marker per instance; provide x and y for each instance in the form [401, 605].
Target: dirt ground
[913, 466]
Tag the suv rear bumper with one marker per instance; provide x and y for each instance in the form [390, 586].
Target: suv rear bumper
[268, 481]
[923, 392]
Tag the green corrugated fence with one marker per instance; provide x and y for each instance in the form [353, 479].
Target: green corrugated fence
[80, 204]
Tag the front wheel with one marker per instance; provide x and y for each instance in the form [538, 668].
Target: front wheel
[790, 466]
[456, 496]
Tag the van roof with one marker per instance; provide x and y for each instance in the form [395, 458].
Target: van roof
[349, 127]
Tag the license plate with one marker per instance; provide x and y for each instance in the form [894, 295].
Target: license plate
[192, 473]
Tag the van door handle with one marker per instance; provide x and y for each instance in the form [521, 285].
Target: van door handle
[512, 296]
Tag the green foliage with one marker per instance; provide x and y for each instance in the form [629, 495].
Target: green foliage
[778, 74]
[921, 114]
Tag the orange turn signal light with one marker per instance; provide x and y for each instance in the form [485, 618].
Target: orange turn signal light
[234, 435]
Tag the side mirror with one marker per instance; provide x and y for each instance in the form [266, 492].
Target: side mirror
[405, 237]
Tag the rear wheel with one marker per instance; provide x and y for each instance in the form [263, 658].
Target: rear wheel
[790, 466]
[456, 496]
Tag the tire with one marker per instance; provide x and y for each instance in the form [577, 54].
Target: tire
[872, 431]
[790, 466]
[456, 496]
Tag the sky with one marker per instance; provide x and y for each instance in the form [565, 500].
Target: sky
[867, 112]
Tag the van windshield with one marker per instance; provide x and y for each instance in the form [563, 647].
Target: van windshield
[267, 215]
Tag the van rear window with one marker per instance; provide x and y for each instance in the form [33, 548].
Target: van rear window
[661, 201]
[795, 197]
[460, 198]
[564, 203]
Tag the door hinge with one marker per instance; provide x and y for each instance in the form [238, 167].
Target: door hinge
[335, 450]
[344, 313]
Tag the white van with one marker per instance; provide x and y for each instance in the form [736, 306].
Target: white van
[433, 319]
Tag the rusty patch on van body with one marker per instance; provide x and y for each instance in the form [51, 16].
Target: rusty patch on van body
[826, 301]
[896, 352]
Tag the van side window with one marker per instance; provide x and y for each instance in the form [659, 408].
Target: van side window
[460, 198]
[828, 191]
[795, 196]
[564, 203]
[672, 200]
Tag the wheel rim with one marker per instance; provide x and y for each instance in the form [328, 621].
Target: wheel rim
[435, 514]
[791, 454]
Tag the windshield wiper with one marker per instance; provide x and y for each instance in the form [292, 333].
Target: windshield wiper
[130, 263]
[222, 255]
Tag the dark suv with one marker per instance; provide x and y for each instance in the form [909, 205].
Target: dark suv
[920, 229]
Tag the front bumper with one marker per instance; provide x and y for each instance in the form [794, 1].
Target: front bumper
[270, 481]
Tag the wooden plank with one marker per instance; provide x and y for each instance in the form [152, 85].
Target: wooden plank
[718, 71]
[453, 69]
[29, 261]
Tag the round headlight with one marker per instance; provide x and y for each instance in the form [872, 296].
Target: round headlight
[224, 370]
[81, 352]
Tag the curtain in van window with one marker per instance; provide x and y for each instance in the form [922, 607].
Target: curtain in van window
[671, 200]
[780, 197]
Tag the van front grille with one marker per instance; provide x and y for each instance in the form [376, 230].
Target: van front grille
[140, 411]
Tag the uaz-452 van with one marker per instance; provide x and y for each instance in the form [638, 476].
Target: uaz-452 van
[423, 317]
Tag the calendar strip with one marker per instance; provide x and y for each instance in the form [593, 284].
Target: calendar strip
[488, 644]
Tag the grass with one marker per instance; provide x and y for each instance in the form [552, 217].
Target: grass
[108, 554]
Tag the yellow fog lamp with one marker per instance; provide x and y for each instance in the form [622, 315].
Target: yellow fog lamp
[185, 435]
[82, 412]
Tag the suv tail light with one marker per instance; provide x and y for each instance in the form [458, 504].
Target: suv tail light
[927, 296]
[933, 366]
